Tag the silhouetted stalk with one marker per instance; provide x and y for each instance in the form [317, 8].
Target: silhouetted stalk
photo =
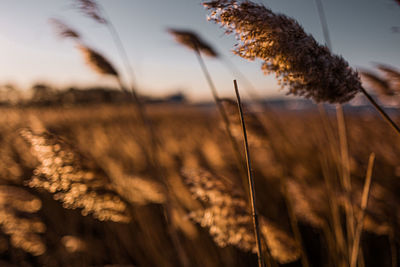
[292, 216]
[225, 119]
[381, 111]
[364, 203]
[251, 184]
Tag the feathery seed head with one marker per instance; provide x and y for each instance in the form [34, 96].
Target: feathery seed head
[227, 217]
[97, 61]
[392, 74]
[377, 83]
[91, 9]
[299, 62]
[63, 30]
[74, 181]
[193, 41]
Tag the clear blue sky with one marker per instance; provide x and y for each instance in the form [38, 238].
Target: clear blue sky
[30, 52]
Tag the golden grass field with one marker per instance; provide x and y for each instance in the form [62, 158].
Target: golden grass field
[147, 219]
[106, 178]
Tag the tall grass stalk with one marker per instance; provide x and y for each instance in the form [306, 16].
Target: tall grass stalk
[364, 203]
[251, 184]
[255, 98]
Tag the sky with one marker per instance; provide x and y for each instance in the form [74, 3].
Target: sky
[30, 52]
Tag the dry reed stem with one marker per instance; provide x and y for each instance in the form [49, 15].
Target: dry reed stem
[364, 203]
[251, 181]
[259, 135]
[384, 115]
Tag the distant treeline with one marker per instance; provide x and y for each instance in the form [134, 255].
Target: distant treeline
[44, 95]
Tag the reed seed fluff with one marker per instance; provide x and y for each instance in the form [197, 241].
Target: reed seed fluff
[299, 62]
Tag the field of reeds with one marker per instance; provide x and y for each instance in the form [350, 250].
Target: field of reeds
[79, 190]
[227, 183]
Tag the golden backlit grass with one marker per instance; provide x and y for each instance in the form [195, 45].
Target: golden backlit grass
[111, 146]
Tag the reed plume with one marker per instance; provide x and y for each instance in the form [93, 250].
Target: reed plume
[91, 9]
[97, 61]
[72, 179]
[300, 63]
[63, 30]
[392, 74]
[377, 83]
[193, 41]
[228, 219]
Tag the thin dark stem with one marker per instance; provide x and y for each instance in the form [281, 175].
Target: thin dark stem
[381, 111]
[251, 181]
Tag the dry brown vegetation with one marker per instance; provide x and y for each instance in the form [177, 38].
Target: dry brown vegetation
[61, 211]
[130, 184]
